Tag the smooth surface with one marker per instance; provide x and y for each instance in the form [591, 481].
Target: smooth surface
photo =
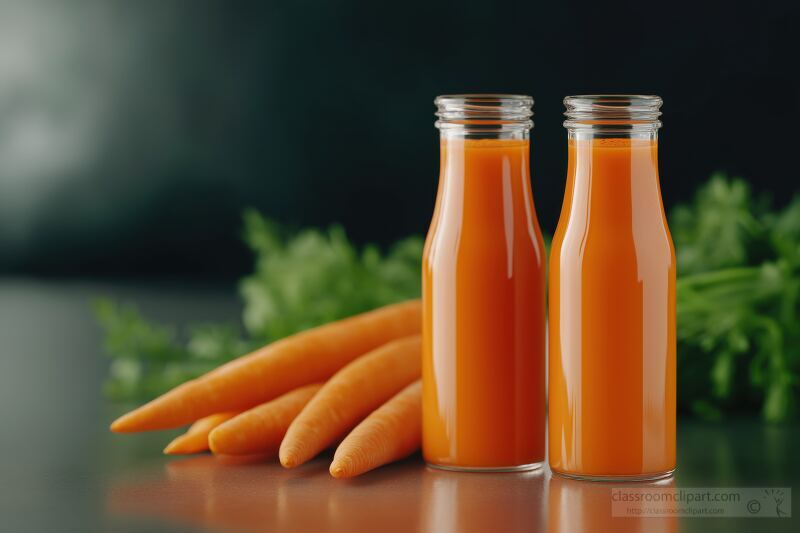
[612, 315]
[61, 470]
[483, 286]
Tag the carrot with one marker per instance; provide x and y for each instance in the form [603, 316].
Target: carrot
[392, 432]
[195, 440]
[261, 429]
[349, 396]
[307, 357]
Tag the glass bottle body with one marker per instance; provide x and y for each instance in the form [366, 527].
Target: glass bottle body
[612, 305]
[484, 305]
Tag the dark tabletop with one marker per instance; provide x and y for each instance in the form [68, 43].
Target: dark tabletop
[61, 470]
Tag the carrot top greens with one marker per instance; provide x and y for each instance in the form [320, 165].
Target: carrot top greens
[737, 298]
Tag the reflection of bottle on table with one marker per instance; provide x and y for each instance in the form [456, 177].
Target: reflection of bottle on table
[463, 503]
[576, 505]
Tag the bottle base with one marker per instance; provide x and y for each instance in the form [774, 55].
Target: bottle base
[488, 469]
[657, 476]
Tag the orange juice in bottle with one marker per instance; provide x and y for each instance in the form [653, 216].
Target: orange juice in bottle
[612, 298]
[484, 293]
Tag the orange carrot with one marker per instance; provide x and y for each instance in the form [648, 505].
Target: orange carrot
[350, 395]
[392, 432]
[307, 357]
[261, 429]
[195, 440]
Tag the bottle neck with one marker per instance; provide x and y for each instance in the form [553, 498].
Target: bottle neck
[613, 141]
[612, 177]
[486, 159]
[600, 160]
[485, 190]
[613, 181]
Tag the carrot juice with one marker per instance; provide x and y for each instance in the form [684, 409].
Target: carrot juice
[484, 293]
[612, 299]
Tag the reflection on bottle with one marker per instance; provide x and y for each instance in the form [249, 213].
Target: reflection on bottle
[467, 502]
[586, 506]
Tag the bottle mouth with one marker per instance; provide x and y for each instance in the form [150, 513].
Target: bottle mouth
[484, 112]
[613, 112]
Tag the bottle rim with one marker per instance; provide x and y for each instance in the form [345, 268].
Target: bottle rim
[484, 111]
[608, 112]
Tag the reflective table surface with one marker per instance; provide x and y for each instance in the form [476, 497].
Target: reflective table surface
[61, 470]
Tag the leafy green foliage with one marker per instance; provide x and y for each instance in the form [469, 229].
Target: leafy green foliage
[313, 277]
[300, 281]
[148, 359]
[737, 299]
[717, 229]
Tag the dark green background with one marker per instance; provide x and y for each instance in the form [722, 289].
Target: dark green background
[132, 134]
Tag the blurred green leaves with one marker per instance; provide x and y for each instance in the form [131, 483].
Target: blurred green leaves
[717, 229]
[313, 277]
[148, 359]
[738, 320]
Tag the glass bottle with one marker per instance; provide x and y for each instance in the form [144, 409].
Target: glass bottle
[484, 292]
[612, 298]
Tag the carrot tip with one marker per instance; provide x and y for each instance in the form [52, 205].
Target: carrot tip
[126, 423]
[171, 449]
[212, 443]
[288, 461]
[118, 425]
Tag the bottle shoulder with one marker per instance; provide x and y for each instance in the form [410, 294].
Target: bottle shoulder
[447, 242]
[587, 245]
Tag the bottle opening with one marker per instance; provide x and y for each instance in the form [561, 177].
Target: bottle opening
[613, 112]
[487, 113]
